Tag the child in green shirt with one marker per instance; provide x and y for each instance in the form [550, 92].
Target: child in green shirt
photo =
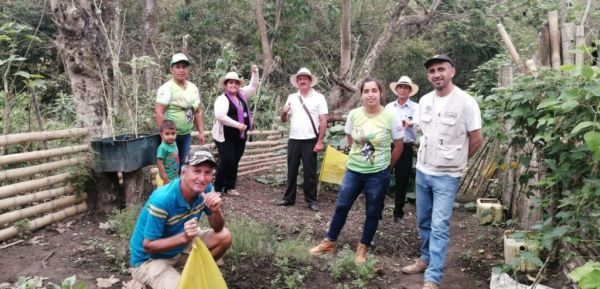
[167, 155]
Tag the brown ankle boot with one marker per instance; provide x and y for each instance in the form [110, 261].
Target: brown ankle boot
[418, 266]
[325, 246]
[361, 254]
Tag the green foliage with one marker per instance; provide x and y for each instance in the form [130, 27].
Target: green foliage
[38, 282]
[558, 112]
[587, 276]
[289, 275]
[252, 238]
[343, 268]
[123, 221]
[68, 283]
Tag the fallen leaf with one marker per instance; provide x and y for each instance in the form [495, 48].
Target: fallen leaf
[106, 283]
[37, 239]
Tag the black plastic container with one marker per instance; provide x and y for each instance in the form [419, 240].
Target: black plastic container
[125, 153]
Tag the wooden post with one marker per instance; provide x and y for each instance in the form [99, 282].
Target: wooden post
[506, 75]
[543, 54]
[568, 43]
[506, 80]
[579, 43]
[531, 68]
[511, 48]
[554, 38]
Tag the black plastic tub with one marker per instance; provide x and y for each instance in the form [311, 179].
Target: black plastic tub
[125, 153]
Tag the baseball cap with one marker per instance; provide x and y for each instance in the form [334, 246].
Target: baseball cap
[179, 57]
[438, 58]
[198, 155]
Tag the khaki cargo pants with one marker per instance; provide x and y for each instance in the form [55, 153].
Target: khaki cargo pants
[161, 273]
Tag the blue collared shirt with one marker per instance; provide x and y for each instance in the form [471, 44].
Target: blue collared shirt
[406, 111]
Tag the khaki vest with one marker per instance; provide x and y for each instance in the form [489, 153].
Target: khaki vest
[444, 146]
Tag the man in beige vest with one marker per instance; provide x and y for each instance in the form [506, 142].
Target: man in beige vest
[450, 121]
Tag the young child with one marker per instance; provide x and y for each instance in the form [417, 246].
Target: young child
[167, 155]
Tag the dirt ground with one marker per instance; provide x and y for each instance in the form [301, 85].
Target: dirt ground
[78, 246]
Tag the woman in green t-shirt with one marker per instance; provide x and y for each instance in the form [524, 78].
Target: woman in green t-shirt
[370, 130]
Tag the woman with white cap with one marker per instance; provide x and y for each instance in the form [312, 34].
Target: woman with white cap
[178, 100]
[230, 130]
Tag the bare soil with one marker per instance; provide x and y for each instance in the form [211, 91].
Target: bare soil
[79, 247]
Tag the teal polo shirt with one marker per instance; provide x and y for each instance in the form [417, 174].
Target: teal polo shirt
[163, 216]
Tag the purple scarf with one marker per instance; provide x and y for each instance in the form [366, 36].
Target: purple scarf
[240, 111]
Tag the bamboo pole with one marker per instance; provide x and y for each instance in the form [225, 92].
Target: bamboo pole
[10, 139]
[282, 157]
[567, 33]
[579, 43]
[262, 143]
[32, 170]
[252, 132]
[258, 170]
[252, 166]
[554, 38]
[248, 157]
[35, 197]
[274, 149]
[15, 189]
[43, 154]
[42, 208]
[511, 48]
[44, 221]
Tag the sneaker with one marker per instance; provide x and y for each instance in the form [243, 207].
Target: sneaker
[325, 246]
[233, 192]
[361, 254]
[284, 203]
[398, 219]
[430, 285]
[418, 266]
[313, 206]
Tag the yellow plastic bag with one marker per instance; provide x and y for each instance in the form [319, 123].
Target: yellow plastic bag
[201, 271]
[333, 167]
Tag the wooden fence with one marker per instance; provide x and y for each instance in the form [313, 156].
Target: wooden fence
[37, 187]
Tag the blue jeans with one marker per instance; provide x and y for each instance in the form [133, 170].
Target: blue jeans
[184, 143]
[374, 186]
[435, 201]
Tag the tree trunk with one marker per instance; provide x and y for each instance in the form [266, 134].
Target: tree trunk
[82, 47]
[342, 80]
[150, 33]
[264, 40]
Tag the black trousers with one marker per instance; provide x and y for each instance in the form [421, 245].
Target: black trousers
[230, 153]
[301, 150]
[403, 171]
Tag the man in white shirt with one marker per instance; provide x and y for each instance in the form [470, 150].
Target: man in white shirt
[307, 112]
[451, 124]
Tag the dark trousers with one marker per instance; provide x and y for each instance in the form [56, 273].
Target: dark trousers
[301, 150]
[403, 171]
[230, 153]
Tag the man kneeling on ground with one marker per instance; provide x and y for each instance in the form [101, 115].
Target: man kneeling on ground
[169, 222]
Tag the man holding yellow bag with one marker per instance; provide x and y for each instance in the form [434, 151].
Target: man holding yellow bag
[169, 222]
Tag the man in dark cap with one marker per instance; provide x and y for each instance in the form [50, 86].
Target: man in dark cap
[451, 124]
[169, 222]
